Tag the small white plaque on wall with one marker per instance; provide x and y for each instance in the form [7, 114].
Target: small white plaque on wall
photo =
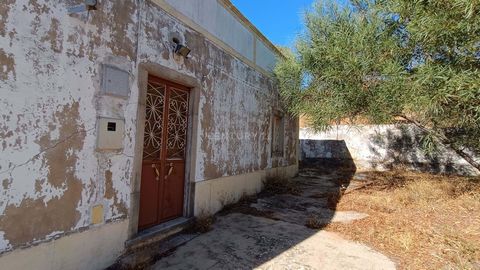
[110, 133]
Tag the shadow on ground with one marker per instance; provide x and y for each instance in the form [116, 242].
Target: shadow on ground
[283, 231]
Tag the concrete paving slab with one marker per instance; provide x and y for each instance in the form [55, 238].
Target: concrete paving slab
[241, 241]
[270, 232]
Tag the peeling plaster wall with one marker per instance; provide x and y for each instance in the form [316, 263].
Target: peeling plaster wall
[207, 14]
[51, 173]
[236, 101]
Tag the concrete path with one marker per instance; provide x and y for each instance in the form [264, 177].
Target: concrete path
[270, 233]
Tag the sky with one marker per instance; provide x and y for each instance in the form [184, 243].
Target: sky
[279, 20]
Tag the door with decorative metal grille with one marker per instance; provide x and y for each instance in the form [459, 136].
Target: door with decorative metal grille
[164, 149]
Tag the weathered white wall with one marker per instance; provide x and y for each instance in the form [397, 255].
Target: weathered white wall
[236, 101]
[96, 248]
[213, 17]
[264, 56]
[380, 147]
[213, 195]
[51, 173]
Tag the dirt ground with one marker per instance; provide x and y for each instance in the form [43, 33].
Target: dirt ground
[279, 229]
[420, 220]
[334, 218]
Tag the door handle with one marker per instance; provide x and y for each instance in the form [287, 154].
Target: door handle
[157, 173]
[170, 170]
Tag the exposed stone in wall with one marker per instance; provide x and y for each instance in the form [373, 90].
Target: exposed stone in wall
[54, 36]
[291, 140]
[115, 23]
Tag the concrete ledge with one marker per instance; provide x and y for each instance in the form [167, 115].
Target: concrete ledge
[153, 243]
[158, 233]
[212, 195]
[143, 258]
[288, 171]
[96, 248]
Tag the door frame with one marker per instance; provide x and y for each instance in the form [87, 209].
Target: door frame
[144, 70]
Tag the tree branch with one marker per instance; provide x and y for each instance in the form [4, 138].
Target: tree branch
[445, 141]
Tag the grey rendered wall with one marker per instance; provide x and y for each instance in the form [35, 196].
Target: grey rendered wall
[380, 147]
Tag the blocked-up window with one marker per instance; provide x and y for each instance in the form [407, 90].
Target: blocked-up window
[277, 135]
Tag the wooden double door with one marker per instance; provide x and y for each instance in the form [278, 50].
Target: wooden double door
[164, 150]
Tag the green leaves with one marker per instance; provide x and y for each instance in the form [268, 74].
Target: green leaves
[349, 58]
[377, 59]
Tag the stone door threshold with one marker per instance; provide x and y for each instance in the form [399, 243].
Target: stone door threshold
[154, 243]
[158, 233]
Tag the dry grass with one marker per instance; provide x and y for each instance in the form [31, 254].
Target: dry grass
[203, 223]
[279, 185]
[314, 223]
[243, 206]
[422, 221]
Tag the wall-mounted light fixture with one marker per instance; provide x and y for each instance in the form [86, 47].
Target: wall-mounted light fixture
[181, 49]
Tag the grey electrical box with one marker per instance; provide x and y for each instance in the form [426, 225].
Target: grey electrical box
[110, 133]
[115, 81]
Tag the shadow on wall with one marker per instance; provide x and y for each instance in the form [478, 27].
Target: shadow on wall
[402, 147]
[332, 152]
[305, 204]
[335, 164]
[326, 152]
[327, 170]
[384, 147]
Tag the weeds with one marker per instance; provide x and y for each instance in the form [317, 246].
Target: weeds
[333, 198]
[243, 206]
[425, 221]
[279, 185]
[314, 223]
[203, 223]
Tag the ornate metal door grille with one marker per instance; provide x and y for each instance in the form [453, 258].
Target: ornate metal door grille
[163, 124]
[177, 123]
[155, 103]
[165, 141]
